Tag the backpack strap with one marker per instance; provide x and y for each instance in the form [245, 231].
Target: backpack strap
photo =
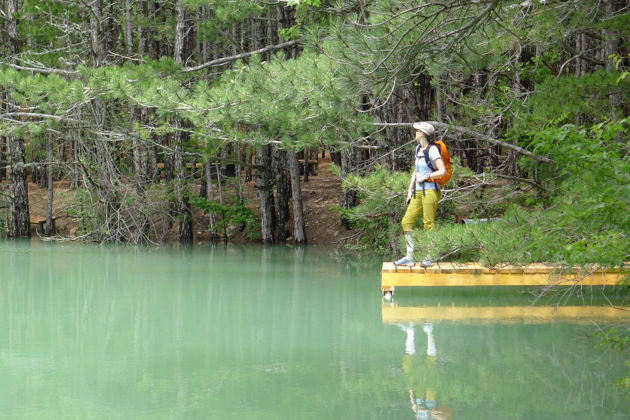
[429, 162]
[427, 159]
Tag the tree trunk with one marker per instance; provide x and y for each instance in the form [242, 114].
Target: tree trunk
[128, 29]
[283, 192]
[180, 31]
[96, 18]
[138, 148]
[183, 209]
[299, 231]
[579, 49]
[141, 10]
[75, 174]
[141, 165]
[439, 102]
[3, 158]
[217, 169]
[210, 197]
[306, 165]
[265, 195]
[249, 158]
[611, 48]
[48, 226]
[19, 225]
[107, 177]
[350, 198]
[141, 178]
[239, 168]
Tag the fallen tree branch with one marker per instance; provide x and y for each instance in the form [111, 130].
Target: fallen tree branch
[42, 69]
[524, 180]
[477, 135]
[7, 116]
[224, 60]
[212, 63]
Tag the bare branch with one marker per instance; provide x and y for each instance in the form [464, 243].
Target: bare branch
[43, 70]
[225, 60]
[477, 135]
[8, 115]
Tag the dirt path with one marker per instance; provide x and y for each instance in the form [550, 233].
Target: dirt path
[321, 194]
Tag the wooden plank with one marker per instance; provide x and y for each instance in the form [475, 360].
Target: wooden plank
[468, 268]
[504, 314]
[447, 268]
[434, 269]
[536, 269]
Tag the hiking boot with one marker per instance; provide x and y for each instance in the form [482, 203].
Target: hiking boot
[406, 261]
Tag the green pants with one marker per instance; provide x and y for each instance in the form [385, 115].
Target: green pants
[425, 204]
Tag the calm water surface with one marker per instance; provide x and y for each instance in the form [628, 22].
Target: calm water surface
[89, 332]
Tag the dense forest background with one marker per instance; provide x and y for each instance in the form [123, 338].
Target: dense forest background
[128, 99]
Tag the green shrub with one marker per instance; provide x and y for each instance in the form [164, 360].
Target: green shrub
[86, 208]
[382, 203]
[229, 215]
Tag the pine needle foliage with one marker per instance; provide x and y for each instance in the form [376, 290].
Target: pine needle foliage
[297, 102]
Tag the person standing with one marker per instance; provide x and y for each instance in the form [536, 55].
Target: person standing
[423, 193]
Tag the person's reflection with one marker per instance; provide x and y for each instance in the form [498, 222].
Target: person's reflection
[423, 400]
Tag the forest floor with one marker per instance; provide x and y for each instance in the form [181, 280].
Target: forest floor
[321, 194]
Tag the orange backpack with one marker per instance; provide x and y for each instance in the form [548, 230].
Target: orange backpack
[446, 158]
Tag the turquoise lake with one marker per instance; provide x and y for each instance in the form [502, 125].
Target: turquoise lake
[247, 332]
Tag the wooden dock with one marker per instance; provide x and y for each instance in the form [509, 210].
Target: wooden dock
[504, 314]
[473, 274]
